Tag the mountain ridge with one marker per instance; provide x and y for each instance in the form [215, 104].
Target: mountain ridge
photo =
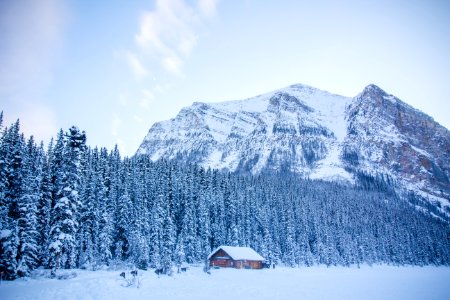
[314, 133]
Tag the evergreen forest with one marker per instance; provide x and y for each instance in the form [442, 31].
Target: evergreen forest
[66, 205]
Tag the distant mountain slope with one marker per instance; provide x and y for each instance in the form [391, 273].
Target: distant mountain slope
[314, 133]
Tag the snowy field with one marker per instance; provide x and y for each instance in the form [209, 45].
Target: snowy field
[378, 282]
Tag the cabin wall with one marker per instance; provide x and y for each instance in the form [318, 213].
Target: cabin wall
[221, 259]
[238, 264]
[224, 263]
[248, 264]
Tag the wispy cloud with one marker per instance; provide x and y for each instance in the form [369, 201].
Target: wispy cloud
[116, 128]
[123, 99]
[166, 37]
[139, 70]
[138, 119]
[207, 7]
[31, 39]
[116, 124]
[169, 32]
[146, 99]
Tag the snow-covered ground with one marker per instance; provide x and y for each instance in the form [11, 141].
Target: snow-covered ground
[377, 282]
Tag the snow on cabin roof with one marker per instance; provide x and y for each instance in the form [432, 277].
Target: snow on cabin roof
[239, 253]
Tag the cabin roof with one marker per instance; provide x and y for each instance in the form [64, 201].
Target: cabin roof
[239, 253]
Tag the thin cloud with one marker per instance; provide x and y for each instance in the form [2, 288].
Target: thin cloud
[116, 125]
[123, 99]
[172, 64]
[138, 119]
[116, 128]
[148, 94]
[208, 7]
[121, 145]
[147, 99]
[144, 103]
[169, 32]
[139, 70]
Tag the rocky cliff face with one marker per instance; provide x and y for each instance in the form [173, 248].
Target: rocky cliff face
[313, 133]
[389, 136]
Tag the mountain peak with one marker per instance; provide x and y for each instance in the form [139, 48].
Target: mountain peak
[313, 133]
[301, 86]
[373, 89]
[374, 97]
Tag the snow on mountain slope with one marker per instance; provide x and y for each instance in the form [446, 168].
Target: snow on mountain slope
[258, 133]
[314, 133]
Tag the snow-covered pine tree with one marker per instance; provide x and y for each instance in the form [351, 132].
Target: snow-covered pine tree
[3, 172]
[143, 238]
[44, 206]
[117, 190]
[104, 210]
[12, 149]
[188, 231]
[290, 248]
[63, 246]
[27, 256]
[304, 255]
[218, 212]
[230, 198]
[179, 257]
[264, 237]
[87, 219]
[122, 232]
[168, 241]
[9, 243]
[162, 226]
[56, 166]
[204, 226]
[4, 232]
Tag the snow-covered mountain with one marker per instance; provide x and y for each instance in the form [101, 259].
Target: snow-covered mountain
[314, 133]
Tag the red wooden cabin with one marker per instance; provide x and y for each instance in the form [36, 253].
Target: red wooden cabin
[235, 257]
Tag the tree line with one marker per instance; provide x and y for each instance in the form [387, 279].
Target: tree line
[71, 206]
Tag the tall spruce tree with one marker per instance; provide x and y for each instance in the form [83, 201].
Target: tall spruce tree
[27, 256]
[44, 206]
[65, 212]
[13, 148]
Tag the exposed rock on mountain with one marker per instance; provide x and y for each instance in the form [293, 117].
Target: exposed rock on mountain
[389, 136]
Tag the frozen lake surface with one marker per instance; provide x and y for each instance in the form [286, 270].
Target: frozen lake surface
[376, 282]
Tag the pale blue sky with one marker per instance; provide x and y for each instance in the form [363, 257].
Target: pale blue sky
[113, 68]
